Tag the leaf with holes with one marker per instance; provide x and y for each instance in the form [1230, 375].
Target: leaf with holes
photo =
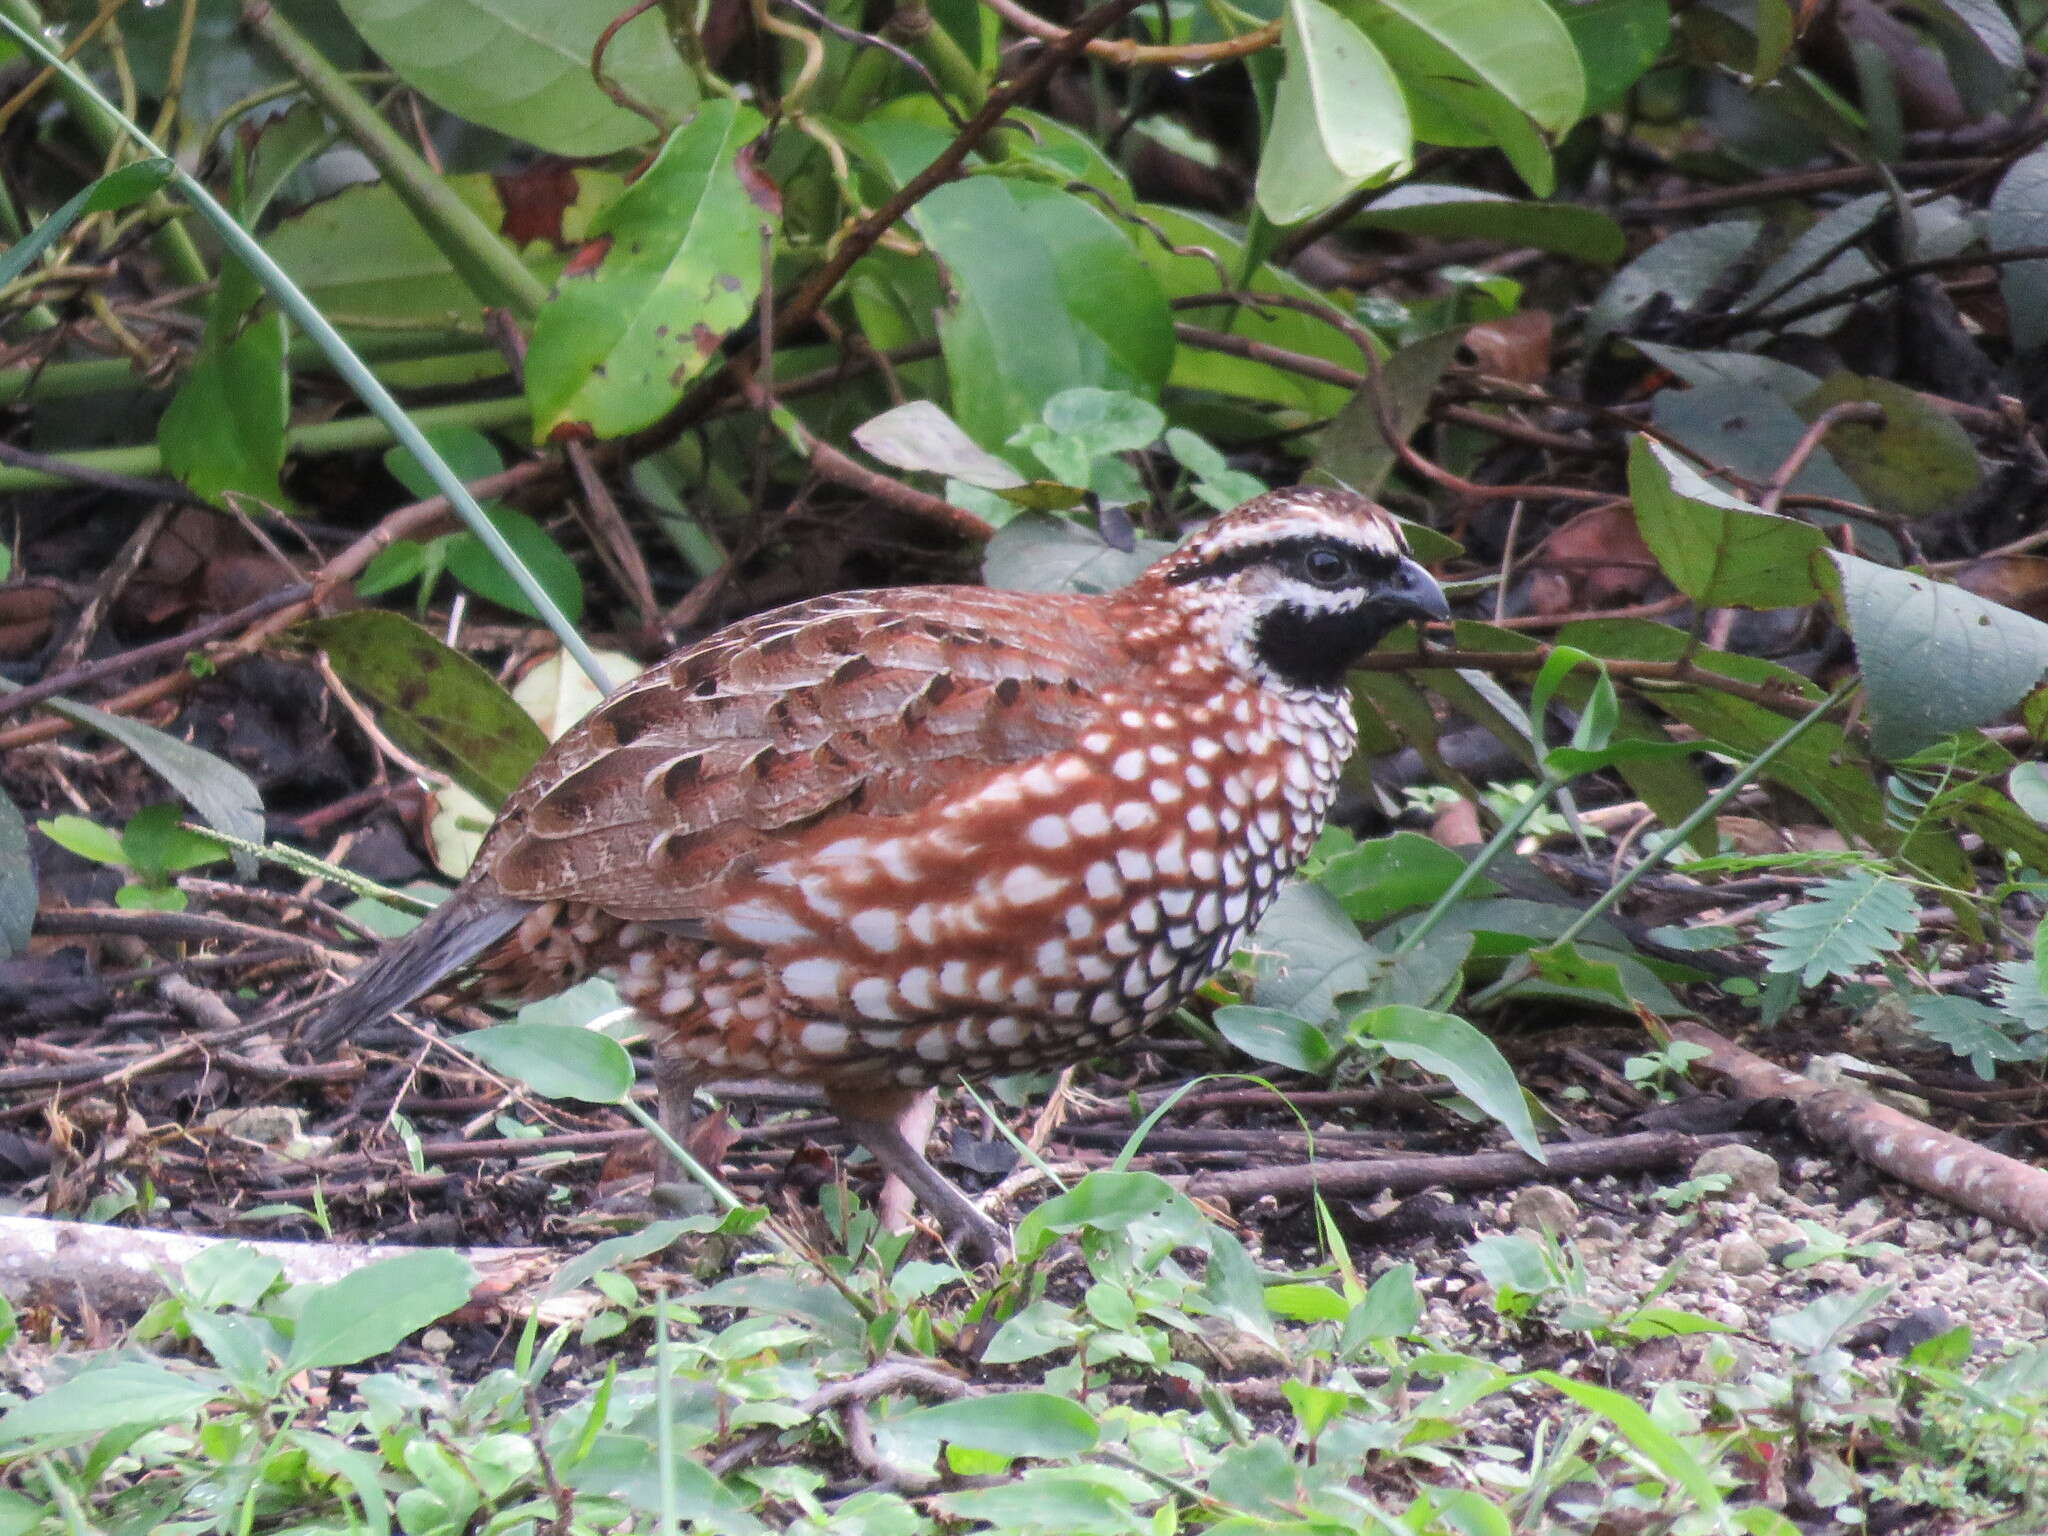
[1717, 550]
[435, 703]
[673, 268]
[1935, 658]
[1848, 923]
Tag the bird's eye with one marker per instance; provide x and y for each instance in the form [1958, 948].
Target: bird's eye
[1327, 567]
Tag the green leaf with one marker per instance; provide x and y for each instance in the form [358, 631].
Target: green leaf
[87, 839]
[1340, 121]
[1935, 658]
[1845, 924]
[221, 793]
[2028, 786]
[1037, 553]
[1271, 1035]
[1517, 49]
[918, 435]
[154, 845]
[1657, 1445]
[1817, 264]
[374, 1309]
[1717, 550]
[436, 703]
[1919, 462]
[1681, 267]
[2019, 218]
[472, 564]
[556, 1061]
[1108, 1201]
[1462, 213]
[1446, 1045]
[117, 189]
[117, 1396]
[1972, 1029]
[224, 429]
[1386, 875]
[1013, 1423]
[674, 268]
[522, 67]
[1353, 450]
[17, 881]
[1307, 953]
[1618, 41]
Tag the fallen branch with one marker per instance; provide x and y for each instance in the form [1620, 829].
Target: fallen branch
[1638, 1153]
[1961, 1172]
[124, 1269]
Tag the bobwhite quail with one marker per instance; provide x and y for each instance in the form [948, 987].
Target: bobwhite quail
[878, 840]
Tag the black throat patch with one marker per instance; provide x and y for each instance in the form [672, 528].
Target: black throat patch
[1310, 649]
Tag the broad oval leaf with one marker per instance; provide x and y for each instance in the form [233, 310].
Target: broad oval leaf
[1516, 48]
[1681, 266]
[522, 67]
[374, 1309]
[1919, 461]
[1463, 213]
[673, 268]
[1935, 658]
[128, 1392]
[2019, 218]
[1340, 121]
[1717, 550]
[434, 702]
[1011, 1423]
[556, 1061]
[918, 435]
[1272, 1035]
[1446, 1045]
[471, 563]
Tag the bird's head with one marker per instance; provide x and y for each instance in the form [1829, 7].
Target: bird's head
[1297, 584]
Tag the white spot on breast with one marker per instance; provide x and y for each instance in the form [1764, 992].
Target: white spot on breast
[1025, 992]
[822, 1039]
[1163, 720]
[1070, 770]
[872, 998]
[1006, 1030]
[893, 854]
[1299, 774]
[934, 1044]
[1120, 941]
[761, 921]
[1165, 791]
[1235, 906]
[1176, 901]
[991, 986]
[1106, 1009]
[1205, 748]
[1129, 765]
[1200, 818]
[1133, 864]
[1133, 814]
[1144, 917]
[819, 899]
[1162, 961]
[1051, 958]
[1159, 997]
[815, 979]
[953, 978]
[1181, 937]
[1097, 742]
[847, 850]
[1208, 913]
[1093, 968]
[1171, 856]
[1038, 780]
[923, 922]
[677, 999]
[1269, 823]
[1080, 921]
[1132, 718]
[1027, 885]
[1102, 882]
[876, 927]
[916, 986]
[1089, 820]
[1202, 864]
[1197, 776]
[1162, 756]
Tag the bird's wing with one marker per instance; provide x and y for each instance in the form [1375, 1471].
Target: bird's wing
[869, 703]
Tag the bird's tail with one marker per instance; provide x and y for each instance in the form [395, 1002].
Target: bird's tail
[453, 934]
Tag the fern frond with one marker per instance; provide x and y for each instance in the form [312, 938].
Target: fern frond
[1848, 923]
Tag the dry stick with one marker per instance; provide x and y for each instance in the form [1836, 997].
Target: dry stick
[156, 650]
[810, 297]
[403, 522]
[1958, 1171]
[1638, 1153]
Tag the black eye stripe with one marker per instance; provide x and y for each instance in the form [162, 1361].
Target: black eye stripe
[1290, 555]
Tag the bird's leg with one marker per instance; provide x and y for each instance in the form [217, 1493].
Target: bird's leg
[892, 1205]
[675, 1087]
[894, 1125]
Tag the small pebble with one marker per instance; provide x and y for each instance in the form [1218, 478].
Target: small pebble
[1927, 1236]
[1749, 1171]
[1543, 1208]
[1983, 1251]
[437, 1341]
[1741, 1254]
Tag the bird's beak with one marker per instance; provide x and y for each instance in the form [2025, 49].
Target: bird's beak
[1414, 592]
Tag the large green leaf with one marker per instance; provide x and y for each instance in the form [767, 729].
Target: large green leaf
[1022, 1423]
[1935, 658]
[126, 1392]
[674, 268]
[557, 1061]
[1463, 213]
[1681, 267]
[1030, 261]
[1718, 551]
[2019, 219]
[1446, 1045]
[368, 1312]
[223, 431]
[1353, 450]
[434, 702]
[522, 67]
[1339, 119]
[1618, 41]
[1917, 462]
